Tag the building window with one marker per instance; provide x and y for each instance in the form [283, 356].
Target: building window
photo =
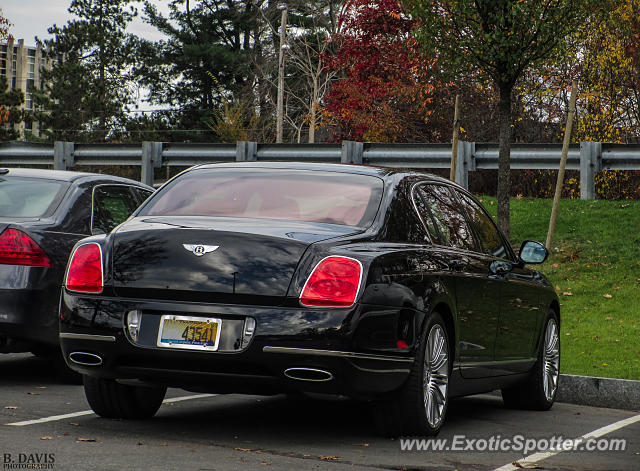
[3, 60]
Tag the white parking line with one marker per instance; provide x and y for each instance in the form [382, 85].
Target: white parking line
[536, 457]
[54, 418]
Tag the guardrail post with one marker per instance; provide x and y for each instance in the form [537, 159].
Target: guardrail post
[151, 159]
[465, 161]
[62, 155]
[246, 151]
[351, 152]
[590, 163]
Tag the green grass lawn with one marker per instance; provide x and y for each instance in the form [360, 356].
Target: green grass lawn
[595, 268]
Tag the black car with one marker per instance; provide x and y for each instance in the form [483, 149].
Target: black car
[43, 213]
[264, 278]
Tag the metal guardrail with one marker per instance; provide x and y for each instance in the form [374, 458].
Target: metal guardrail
[587, 157]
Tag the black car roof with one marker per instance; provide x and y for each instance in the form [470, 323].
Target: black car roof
[61, 175]
[328, 167]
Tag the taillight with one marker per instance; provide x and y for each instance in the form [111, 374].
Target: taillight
[333, 283]
[17, 248]
[85, 269]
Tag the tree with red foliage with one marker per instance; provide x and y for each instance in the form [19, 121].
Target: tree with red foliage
[386, 93]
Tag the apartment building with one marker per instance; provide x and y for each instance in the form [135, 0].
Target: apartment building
[21, 64]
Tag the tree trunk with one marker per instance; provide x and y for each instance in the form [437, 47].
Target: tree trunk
[504, 168]
[314, 107]
[103, 87]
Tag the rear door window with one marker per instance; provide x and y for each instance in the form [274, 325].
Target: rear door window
[141, 193]
[490, 239]
[427, 218]
[112, 205]
[447, 217]
[29, 197]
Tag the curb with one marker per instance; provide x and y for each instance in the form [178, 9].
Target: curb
[599, 392]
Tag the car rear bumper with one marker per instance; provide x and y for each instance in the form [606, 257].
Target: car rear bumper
[293, 349]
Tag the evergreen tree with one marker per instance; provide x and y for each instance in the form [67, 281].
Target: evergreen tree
[10, 112]
[205, 59]
[87, 85]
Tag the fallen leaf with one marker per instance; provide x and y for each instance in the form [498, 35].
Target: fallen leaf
[567, 293]
[41, 387]
[608, 318]
[80, 439]
[616, 287]
[491, 203]
[558, 288]
[330, 458]
[46, 437]
[73, 423]
[33, 393]
[11, 407]
[605, 364]
[567, 333]
[243, 449]
[555, 265]
[596, 338]
[526, 466]
[608, 296]
[266, 463]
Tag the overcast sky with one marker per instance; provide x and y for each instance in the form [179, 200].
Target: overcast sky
[31, 18]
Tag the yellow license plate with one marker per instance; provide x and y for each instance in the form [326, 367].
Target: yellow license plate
[189, 332]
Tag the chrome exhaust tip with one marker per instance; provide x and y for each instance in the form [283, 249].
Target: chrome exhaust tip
[85, 359]
[308, 374]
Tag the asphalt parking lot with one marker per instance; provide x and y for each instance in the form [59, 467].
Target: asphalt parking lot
[47, 421]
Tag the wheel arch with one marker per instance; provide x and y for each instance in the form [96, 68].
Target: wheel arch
[447, 315]
[555, 307]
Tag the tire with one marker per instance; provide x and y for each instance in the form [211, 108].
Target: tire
[112, 400]
[64, 374]
[420, 406]
[54, 356]
[43, 351]
[539, 391]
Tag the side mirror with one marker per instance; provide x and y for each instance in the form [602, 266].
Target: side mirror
[533, 252]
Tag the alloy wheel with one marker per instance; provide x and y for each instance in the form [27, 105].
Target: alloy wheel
[436, 375]
[551, 360]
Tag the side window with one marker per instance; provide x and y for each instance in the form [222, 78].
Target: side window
[488, 234]
[112, 204]
[426, 216]
[141, 193]
[447, 217]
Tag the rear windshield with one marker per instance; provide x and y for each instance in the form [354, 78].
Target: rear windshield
[29, 197]
[298, 195]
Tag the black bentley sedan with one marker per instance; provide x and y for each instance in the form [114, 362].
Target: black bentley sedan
[43, 213]
[263, 278]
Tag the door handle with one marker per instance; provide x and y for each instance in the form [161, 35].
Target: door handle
[500, 268]
[459, 264]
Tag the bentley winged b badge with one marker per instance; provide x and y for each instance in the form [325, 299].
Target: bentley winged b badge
[199, 250]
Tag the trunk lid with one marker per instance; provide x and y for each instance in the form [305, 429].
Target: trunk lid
[212, 259]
